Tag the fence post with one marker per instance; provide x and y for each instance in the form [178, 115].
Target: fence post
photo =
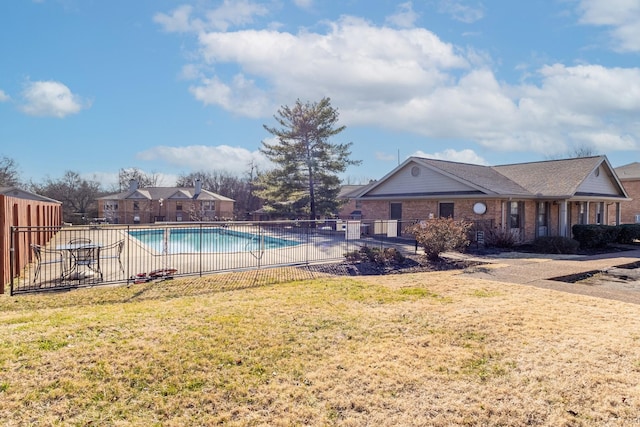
[200, 257]
[12, 260]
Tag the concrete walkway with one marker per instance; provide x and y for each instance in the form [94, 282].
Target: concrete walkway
[538, 270]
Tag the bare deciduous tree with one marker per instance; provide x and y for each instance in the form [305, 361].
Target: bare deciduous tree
[9, 175]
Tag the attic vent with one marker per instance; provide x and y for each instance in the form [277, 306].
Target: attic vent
[415, 171]
[597, 172]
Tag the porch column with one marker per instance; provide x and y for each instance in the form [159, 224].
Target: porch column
[562, 219]
[618, 213]
[586, 213]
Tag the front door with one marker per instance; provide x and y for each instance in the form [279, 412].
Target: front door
[516, 220]
[542, 218]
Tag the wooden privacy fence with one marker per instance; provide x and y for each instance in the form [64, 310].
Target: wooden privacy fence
[19, 212]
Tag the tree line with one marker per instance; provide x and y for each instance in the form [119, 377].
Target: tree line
[303, 183]
[79, 195]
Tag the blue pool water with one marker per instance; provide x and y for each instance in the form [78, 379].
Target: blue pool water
[186, 240]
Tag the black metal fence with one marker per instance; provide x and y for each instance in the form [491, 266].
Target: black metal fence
[76, 256]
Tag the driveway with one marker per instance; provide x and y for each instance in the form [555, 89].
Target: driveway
[608, 279]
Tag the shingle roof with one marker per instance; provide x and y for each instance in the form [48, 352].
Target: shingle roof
[630, 171]
[157, 193]
[353, 191]
[490, 180]
[553, 177]
[24, 194]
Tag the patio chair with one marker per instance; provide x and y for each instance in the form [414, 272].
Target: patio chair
[86, 256]
[113, 251]
[48, 257]
[79, 241]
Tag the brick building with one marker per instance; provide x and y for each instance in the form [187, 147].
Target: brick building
[629, 176]
[528, 199]
[151, 204]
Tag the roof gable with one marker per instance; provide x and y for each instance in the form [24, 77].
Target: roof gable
[601, 182]
[565, 178]
[208, 195]
[139, 194]
[421, 177]
[181, 193]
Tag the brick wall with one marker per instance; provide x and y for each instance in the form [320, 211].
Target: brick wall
[629, 210]
[425, 209]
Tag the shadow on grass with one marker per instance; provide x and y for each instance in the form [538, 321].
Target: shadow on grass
[162, 289]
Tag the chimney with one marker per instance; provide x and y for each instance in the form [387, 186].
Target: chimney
[133, 185]
[198, 188]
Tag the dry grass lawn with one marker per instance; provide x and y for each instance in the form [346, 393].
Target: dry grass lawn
[268, 349]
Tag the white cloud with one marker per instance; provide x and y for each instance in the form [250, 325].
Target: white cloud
[352, 61]
[411, 80]
[242, 96]
[229, 13]
[303, 4]
[461, 12]
[621, 16]
[51, 98]
[405, 17]
[203, 157]
[3, 96]
[463, 156]
[179, 20]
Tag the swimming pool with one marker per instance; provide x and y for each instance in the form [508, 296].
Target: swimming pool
[188, 240]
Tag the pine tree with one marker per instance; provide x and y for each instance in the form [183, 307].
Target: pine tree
[305, 179]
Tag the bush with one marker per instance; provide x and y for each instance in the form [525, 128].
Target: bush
[440, 235]
[555, 245]
[595, 236]
[379, 256]
[499, 238]
[628, 233]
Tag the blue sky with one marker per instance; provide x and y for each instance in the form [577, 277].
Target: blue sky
[172, 87]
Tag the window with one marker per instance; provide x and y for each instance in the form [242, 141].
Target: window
[395, 211]
[136, 206]
[514, 215]
[178, 206]
[446, 210]
[358, 204]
